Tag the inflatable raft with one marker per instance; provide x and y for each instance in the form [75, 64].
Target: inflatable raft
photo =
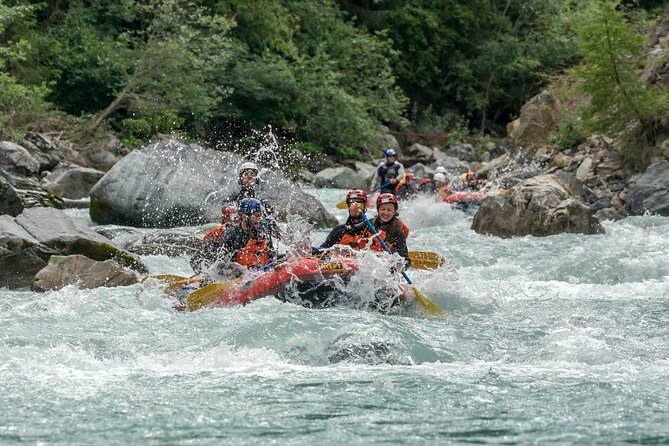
[311, 282]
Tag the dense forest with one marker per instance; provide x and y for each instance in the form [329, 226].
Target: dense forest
[327, 75]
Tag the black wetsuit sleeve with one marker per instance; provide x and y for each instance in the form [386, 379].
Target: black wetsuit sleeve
[334, 237]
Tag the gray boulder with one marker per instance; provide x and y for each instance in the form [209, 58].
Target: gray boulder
[71, 181]
[53, 228]
[540, 206]
[464, 152]
[168, 242]
[17, 160]
[10, 202]
[170, 184]
[417, 153]
[83, 272]
[21, 255]
[340, 178]
[651, 191]
[50, 151]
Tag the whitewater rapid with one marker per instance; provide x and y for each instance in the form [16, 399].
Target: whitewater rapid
[560, 340]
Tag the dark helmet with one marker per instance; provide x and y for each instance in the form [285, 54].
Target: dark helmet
[386, 198]
[356, 195]
[249, 206]
[390, 152]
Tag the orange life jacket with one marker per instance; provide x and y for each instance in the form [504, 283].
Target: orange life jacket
[254, 254]
[355, 241]
[216, 233]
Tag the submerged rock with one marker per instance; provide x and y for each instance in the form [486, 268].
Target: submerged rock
[81, 271]
[171, 184]
[541, 206]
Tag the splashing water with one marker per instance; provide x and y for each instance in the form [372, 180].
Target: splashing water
[561, 339]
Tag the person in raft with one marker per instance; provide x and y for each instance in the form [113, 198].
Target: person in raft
[391, 229]
[244, 244]
[228, 215]
[247, 178]
[349, 233]
[441, 188]
[389, 171]
[407, 190]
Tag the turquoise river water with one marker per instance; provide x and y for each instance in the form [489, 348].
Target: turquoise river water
[555, 340]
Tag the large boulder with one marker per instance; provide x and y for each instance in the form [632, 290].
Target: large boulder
[71, 181]
[170, 184]
[538, 119]
[53, 228]
[21, 254]
[81, 271]
[651, 191]
[340, 178]
[17, 160]
[541, 206]
[50, 151]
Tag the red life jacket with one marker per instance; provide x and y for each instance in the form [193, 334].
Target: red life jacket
[254, 254]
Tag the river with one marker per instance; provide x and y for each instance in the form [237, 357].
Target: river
[554, 340]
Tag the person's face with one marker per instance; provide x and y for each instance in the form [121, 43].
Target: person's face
[249, 178]
[386, 212]
[412, 181]
[355, 207]
[391, 159]
[252, 221]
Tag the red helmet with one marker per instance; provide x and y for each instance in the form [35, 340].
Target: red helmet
[410, 176]
[228, 213]
[356, 195]
[471, 176]
[386, 198]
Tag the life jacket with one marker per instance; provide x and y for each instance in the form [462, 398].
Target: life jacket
[215, 233]
[355, 241]
[386, 172]
[254, 254]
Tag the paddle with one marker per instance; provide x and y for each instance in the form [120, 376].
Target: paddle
[207, 294]
[426, 260]
[422, 299]
[173, 281]
[343, 205]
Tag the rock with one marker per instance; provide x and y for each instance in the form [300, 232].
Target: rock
[83, 272]
[51, 227]
[103, 160]
[170, 184]
[417, 153]
[464, 152]
[539, 206]
[562, 160]
[608, 214]
[584, 169]
[21, 255]
[71, 181]
[16, 159]
[340, 178]
[10, 202]
[420, 170]
[171, 243]
[50, 151]
[453, 165]
[365, 170]
[651, 191]
[390, 142]
[538, 119]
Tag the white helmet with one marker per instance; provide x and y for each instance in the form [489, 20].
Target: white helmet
[440, 177]
[441, 169]
[247, 166]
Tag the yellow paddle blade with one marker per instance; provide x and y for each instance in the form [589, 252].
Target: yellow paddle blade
[426, 260]
[207, 294]
[342, 205]
[427, 304]
[174, 282]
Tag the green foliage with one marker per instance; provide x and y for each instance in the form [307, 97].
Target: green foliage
[459, 132]
[569, 132]
[620, 101]
[309, 148]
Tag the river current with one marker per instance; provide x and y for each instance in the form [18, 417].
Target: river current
[553, 340]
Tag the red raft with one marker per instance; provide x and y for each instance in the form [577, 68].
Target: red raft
[311, 282]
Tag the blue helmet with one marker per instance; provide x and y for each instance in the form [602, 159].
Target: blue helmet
[249, 205]
[390, 152]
